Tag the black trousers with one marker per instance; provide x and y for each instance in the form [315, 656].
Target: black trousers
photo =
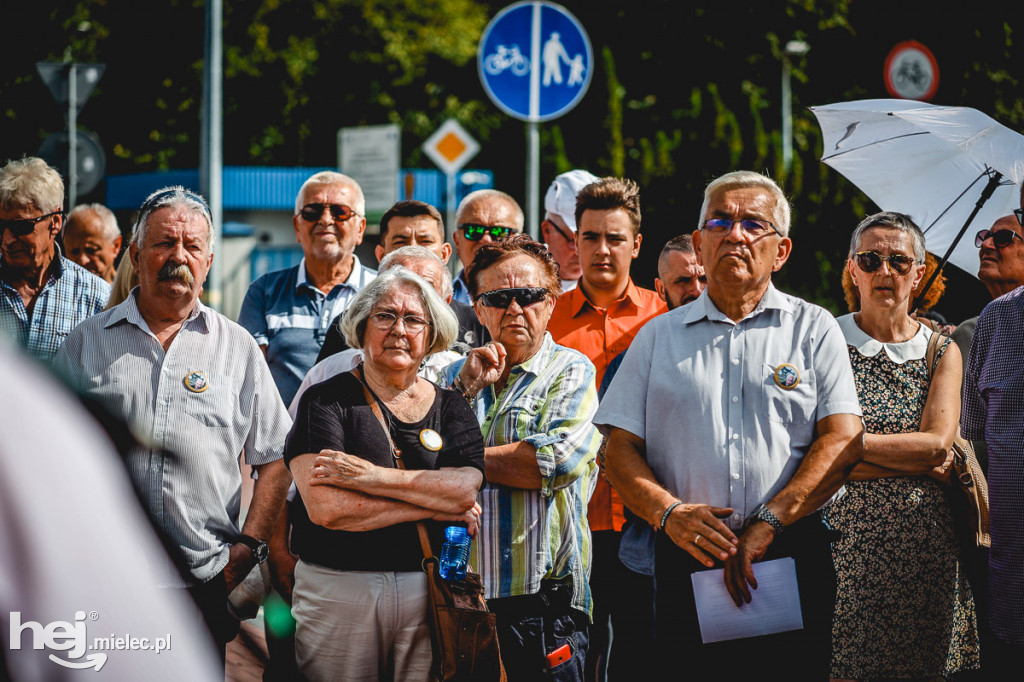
[803, 654]
[212, 600]
[532, 626]
[625, 599]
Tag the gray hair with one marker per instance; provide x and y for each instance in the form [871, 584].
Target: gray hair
[108, 221]
[30, 181]
[893, 221]
[444, 326]
[480, 195]
[741, 179]
[176, 196]
[418, 253]
[326, 178]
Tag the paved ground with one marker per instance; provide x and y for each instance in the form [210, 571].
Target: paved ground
[247, 654]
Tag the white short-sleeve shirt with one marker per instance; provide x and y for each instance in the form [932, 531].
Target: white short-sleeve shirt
[728, 409]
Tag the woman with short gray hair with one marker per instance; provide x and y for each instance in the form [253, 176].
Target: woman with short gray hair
[360, 598]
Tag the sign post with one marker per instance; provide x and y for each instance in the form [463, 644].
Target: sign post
[371, 155]
[451, 148]
[535, 63]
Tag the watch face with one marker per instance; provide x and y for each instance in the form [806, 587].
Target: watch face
[262, 551]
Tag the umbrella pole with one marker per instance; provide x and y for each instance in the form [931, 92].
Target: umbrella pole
[986, 194]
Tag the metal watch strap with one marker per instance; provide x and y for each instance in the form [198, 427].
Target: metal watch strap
[763, 513]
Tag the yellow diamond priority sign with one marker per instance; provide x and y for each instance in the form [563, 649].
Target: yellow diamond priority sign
[451, 147]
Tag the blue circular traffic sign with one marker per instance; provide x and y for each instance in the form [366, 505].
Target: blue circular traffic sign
[535, 61]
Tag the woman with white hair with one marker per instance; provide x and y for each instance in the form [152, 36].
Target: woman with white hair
[360, 599]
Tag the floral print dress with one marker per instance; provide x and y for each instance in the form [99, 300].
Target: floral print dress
[903, 605]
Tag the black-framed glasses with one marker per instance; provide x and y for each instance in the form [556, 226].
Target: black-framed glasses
[1019, 212]
[754, 227]
[869, 261]
[1001, 238]
[340, 212]
[476, 232]
[386, 322]
[502, 298]
[19, 227]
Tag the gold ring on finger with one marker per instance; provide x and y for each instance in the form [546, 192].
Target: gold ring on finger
[696, 538]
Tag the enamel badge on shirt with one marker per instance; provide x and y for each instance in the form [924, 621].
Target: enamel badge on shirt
[786, 376]
[196, 382]
[431, 440]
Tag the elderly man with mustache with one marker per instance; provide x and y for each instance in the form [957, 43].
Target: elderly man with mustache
[198, 392]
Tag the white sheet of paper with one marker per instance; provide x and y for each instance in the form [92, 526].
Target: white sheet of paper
[774, 606]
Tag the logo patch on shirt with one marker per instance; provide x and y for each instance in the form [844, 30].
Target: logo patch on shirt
[196, 382]
[786, 376]
[431, 440]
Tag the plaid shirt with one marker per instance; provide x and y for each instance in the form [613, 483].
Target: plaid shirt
[70, 295]
[531, 535]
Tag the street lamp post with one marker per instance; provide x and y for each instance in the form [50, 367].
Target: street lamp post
[794, 48]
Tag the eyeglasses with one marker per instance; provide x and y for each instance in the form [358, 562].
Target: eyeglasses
[340, 212]
[869, 261]
[19, 227]
[386, 321]
[502, 298]
[753, 227]
[476, 232]
[1001, 238]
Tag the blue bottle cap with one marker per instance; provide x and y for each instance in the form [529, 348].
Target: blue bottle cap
[456, 534]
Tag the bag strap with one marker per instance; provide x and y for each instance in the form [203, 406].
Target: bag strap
[932, 354]
[371, 400]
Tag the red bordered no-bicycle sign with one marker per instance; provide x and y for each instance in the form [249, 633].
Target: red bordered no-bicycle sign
[911, 72]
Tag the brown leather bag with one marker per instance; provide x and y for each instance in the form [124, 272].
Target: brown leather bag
[463, 633]
[967, 475]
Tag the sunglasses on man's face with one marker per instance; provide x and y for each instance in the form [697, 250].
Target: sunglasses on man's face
[340, 212]
[869, 261]
[19, 227]
[502, 298]
[476, 232]
[1001, 238]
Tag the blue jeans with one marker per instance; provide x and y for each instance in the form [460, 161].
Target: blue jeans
[531, 627]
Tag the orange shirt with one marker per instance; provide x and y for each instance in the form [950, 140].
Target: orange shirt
[602, 335]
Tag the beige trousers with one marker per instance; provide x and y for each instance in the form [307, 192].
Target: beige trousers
[361, 625]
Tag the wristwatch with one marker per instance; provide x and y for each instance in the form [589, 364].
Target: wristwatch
[260, 549]
[763, 513]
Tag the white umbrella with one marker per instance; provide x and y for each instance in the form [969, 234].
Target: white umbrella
[945, 167]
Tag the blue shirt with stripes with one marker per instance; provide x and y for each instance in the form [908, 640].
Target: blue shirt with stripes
[288, 315]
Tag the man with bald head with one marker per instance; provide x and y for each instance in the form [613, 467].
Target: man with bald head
[289, 311]
[483, 216]
[92, 239]
[680, 277]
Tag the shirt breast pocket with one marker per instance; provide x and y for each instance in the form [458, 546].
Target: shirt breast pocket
[524, 413]
[215, 405]
[788, 393]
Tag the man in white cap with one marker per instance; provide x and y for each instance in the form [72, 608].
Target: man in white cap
[558, 230]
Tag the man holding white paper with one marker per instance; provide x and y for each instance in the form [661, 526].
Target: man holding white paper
[731, 421]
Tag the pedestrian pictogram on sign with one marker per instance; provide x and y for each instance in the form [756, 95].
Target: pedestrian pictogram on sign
[535, 61]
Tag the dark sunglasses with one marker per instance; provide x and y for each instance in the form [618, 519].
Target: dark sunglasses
[475, 232]
[1019, 212]
[1000, 238]
[340, 212]
[19, 227]
[869, 261]
[502, 298]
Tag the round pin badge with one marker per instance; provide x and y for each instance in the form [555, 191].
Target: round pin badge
[196, 382]
[786, 376]
[431, 440]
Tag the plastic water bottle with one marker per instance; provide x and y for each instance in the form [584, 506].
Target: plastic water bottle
[454, 553]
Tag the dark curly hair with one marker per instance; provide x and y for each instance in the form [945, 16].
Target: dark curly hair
[515, 244]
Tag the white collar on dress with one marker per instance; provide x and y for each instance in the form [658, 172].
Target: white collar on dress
[868, 346]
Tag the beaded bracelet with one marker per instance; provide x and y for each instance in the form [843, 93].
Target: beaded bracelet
[461, 388]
